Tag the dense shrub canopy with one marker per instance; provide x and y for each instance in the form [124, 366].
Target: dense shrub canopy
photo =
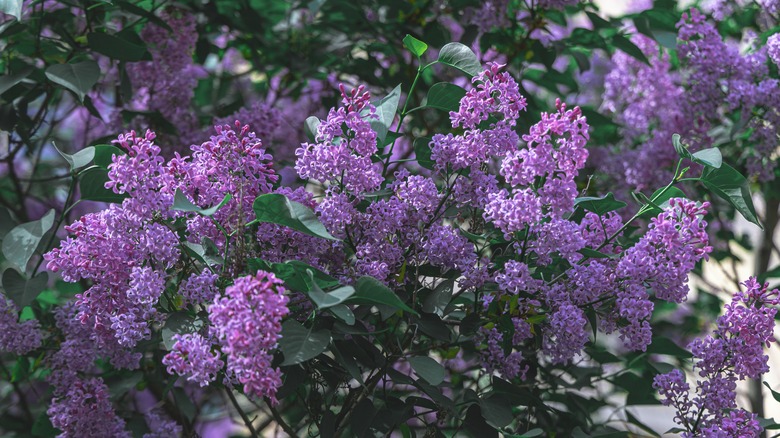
[338, 218]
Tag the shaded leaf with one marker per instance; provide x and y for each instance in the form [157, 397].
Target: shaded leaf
[428, 369]
[22, 291]
[8, 81]
[182, 203]
[369, 290]
[78, 78]
[179, 323]
[730, 185]
[278, 209]
[20, 243]
[299, 344]
[445, 96]
[92, 186]
[117, 48]
[600, 206]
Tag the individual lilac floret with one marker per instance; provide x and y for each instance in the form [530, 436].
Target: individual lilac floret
[192, 356]
[86, 411]
[247, 323]
[734, 352]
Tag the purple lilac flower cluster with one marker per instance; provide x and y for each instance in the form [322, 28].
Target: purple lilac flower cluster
[15, 336]
[167, 82]
[345, 142]
[127, 252]
[733, 352]
[247, 322]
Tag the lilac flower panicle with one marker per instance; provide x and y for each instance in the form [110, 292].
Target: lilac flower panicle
[339, 158]
[192, 356]
[15, 336]
[86, 411]
[733, 352]
[247, 324]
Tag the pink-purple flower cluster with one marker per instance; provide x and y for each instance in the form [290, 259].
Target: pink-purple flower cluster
[733, 352]
[247, 323]
[345, 142]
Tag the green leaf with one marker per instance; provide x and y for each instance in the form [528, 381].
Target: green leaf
[92, 186]
[600, 206]
[182, 203]
[624, 44]
[8, 81]
[20, 243]
[385, 111]
[79, 159]
[369, 290]
[730, 185]
[461, 57]
[445, 96]
[666, 39]
[22, 291]
[710, 157]
[325, 300]
[681, 150]
[78, 78]
[295, 275]
[427, 368]
[343, 313]
[116, 47]
[422, 151]
[417, 47]
[104, 155]
[184, 403]
[662, 345]
[12, 8]
[775, 394]
[496, 410]
[299, 344]
[530, 434]
[772, 273]
[42, 427]
[310, 128]
[179, 323]
[276, 208]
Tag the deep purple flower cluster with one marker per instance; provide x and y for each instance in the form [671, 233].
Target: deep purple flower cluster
[85, 411]
[192, 355]
[247, 323]
[735, 351]
[167, 82]
[16, 336]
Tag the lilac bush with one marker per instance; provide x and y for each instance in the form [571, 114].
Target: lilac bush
[432, 260]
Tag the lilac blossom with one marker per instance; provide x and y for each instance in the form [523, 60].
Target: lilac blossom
[246, 323]
[733, 352]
